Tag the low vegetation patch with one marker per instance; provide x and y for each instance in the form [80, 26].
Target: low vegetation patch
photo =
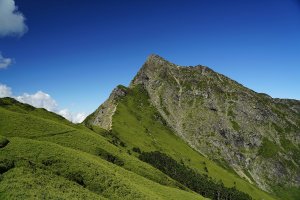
[113, 138]
[268, 149]
[6, 165]
[235, 125]
[137, 150]
[109, 157]
[191, 179]
[3, 141]
[76, 177]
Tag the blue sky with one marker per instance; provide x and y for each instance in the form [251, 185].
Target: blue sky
[78, 51]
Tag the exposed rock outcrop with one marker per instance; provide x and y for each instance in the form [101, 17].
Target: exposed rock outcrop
[102, 117]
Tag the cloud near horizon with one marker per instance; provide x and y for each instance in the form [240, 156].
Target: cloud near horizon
[43, 100]
[12, 22]
[4, 62]
[5, 91]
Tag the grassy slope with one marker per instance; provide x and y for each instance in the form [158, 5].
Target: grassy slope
[16, 125]
[33, 167]
[40, 184]
[136, 118]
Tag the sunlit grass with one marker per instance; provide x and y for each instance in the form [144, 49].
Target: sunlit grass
[48, 157]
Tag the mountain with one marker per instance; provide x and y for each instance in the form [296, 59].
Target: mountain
[209, 123]
[174, 133]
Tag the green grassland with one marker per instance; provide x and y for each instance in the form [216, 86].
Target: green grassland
[43, 156]
[136, 118]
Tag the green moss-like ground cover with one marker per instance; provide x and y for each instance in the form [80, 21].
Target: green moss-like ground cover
[268, 149]
[47, 157]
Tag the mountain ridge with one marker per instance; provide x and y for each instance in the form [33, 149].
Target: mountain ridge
[215, 90]
[225, 121]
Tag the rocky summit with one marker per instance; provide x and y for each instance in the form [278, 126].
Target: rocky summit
[249, 134]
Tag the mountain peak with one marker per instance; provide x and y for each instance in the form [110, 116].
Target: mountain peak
[156, 60]
[154, 57]
[153, 66]
[156, 67]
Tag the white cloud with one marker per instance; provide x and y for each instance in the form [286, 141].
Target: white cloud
[43, 100]
[5, 91]
[79, 117]
[4, 62]
[65, 113]
[12, 22]
[74, 117]
[39, 100]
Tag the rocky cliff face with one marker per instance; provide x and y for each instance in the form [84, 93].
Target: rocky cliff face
[103, 115]
[253, 134]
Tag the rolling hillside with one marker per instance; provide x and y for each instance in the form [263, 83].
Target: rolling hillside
[43, 156]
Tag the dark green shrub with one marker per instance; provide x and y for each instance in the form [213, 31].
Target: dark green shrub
[6, 165]
[109, 157]
[137, 150]
[188, 177]
[205, 169]
[76, 177]
[3, 141]
[235, 125]
[268, 149]
[49, 162]
[114, 139]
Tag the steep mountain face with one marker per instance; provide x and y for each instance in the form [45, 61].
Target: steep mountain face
[143, 132]
[253, 134]
[256, 135]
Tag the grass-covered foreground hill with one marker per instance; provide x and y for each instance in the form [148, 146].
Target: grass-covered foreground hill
[43, 156]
